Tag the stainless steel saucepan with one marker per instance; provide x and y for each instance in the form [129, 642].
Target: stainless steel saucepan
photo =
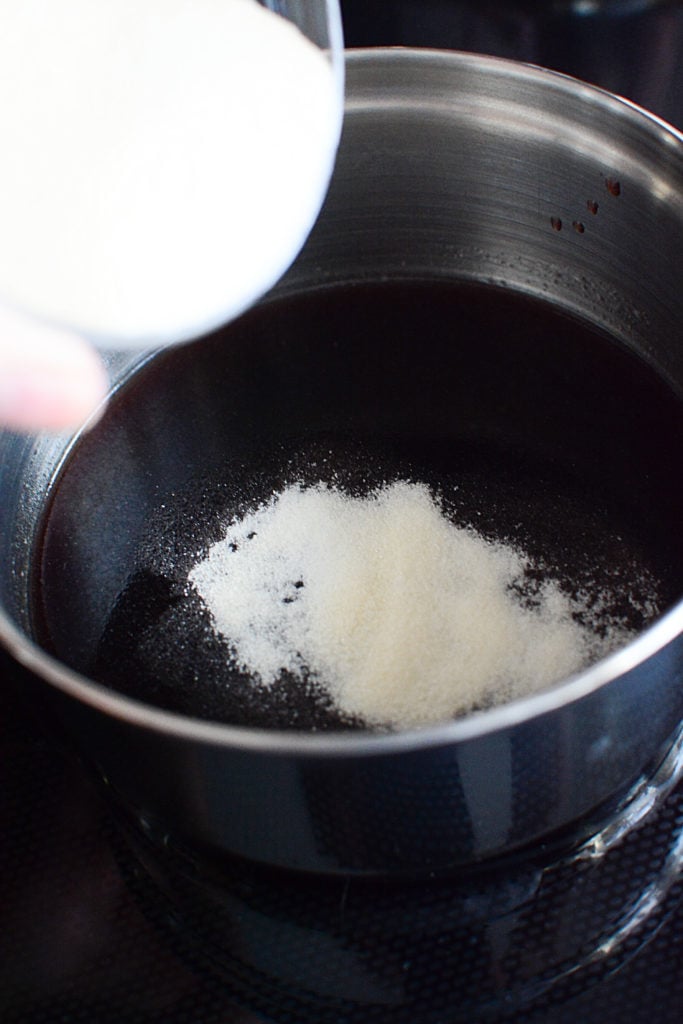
[453, 168]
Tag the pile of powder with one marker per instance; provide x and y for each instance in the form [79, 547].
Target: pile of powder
[402, 616]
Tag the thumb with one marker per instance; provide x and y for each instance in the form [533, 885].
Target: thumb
[50, 379]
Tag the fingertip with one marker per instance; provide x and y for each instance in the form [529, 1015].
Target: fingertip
[49, 379]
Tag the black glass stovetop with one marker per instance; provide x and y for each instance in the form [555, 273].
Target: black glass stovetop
[99, 923]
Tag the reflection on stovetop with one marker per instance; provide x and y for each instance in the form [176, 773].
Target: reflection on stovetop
[497, 943]
[101, 925]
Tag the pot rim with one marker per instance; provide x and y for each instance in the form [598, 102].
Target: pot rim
[350, 744]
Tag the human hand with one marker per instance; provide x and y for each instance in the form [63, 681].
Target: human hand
[50, 379]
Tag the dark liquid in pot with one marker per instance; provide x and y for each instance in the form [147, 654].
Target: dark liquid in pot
[535, 428]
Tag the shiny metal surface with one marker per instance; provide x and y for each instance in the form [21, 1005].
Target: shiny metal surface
[454, 167]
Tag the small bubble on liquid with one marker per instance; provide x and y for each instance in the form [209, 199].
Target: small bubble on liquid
[592, 206]
[613, 186]
[556, 223]
[578, 227]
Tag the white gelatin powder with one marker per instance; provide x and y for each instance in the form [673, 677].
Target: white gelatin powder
[404, 617]
[162, 160]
